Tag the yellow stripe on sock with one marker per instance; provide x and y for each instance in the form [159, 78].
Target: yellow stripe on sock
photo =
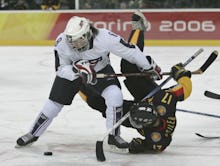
[135, 36]
[82, 95]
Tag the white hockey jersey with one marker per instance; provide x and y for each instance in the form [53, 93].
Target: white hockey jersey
[104, 42]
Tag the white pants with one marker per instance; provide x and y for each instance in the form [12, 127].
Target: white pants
[114, 101]
[50, 111]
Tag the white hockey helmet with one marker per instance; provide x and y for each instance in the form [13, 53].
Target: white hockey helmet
[78, 33]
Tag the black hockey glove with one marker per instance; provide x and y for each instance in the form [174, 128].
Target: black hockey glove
[86, 71]
[178, 71]
[137, 146]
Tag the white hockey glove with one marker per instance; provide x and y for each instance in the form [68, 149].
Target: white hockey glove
[154, 71]
[86, 72]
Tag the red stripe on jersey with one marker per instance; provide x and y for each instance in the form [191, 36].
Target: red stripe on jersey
[178, 91]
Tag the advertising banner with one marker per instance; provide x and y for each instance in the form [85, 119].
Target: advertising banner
[166, 27]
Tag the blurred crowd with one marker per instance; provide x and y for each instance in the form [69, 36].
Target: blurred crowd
[105, 4]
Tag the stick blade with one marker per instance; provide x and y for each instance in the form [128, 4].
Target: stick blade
[211, 95]
[207, 137]
[99, 151]
[209, 61]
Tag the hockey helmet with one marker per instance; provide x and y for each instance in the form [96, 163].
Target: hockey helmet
[78, 33]
[142, 114]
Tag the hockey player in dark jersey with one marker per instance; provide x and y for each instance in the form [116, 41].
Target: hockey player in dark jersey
[155, 118]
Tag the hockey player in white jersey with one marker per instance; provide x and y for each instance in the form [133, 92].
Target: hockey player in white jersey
[81, 51]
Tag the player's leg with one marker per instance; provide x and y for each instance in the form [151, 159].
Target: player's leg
[43, 120]
[93, 99]
[139, 21]
[139, 87]
[114, 102]
[62, 93]
[110, 90]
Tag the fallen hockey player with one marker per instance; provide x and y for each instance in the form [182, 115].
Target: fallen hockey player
[153, 118]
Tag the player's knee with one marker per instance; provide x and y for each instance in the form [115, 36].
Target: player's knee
[51, 109]
[113, 96]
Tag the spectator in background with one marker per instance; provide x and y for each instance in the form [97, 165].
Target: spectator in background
[21, 5]
[3, 5]
[36, 4]
[67, 4]
[106, 4]
[86, 4]
[97, 5]
[133, 4]
[7, 4]
[111, 4]
[50, 5]
[123, 5]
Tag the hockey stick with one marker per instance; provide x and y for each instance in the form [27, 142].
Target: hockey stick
[199, 113]
[170, 77]
[201, 70]
[207, 137]
[104, 75]
[212, 95]
[99, 144]
[208, 62]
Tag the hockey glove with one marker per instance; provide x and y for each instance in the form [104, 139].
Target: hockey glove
[86, 71]
[154, 71]
[178, 71]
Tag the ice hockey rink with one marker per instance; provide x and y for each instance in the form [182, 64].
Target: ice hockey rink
[26, 76]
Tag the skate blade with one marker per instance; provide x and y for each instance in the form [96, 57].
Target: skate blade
[18, 146]
[115, 149]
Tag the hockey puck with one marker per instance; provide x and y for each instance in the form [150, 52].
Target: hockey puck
[48, 153]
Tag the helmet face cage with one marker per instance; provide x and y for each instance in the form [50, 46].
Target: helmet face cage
[142, 115]
[80, 44]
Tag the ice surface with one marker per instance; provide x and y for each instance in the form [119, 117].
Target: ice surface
[26, 76]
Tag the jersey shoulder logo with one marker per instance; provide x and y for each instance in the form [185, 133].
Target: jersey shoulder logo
[58, 41]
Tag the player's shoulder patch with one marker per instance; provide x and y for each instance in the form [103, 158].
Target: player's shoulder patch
[59, 38]
[58, 41]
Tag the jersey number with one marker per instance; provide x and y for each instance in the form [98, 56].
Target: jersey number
[167, 98]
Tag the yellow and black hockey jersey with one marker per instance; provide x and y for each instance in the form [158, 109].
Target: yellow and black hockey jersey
[159, 137]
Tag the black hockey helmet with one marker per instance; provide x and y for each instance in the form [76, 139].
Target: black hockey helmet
[142, 114]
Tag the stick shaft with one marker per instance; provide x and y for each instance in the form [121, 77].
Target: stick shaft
[199, 113]
[103, 75]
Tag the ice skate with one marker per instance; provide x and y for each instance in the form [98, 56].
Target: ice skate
[26, 140]
[139, 21]
[117, 144]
